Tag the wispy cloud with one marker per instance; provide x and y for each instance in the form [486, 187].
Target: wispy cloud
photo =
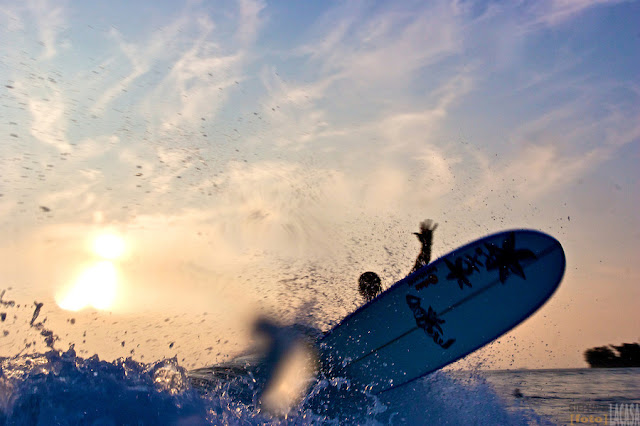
[359, 45]
[47, 107]
[11, 19]
[184, 78]
[553, 151]
[49, 20]
[555, 12]
[250, 21]
[140, 59]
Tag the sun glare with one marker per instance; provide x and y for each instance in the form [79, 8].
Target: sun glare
[109, 246]
[96, 287]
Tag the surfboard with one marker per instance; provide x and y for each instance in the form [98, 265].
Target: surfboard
[445, 310]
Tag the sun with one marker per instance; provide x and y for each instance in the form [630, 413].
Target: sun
[109, 246]
[95, 287]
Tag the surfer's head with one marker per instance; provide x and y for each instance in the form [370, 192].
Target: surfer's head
[369, 285]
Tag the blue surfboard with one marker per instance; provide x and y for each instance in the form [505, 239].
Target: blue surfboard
[445, 310]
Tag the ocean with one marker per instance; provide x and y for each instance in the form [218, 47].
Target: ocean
[61, 388]
[571, 396]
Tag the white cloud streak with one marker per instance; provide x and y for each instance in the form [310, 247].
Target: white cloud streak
[50, 20]
[556, 12]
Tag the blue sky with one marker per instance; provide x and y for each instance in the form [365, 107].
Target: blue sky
[241, 146]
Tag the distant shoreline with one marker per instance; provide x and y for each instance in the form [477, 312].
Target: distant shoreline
[625, 356]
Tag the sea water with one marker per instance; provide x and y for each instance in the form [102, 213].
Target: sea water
[572, 396]
[59, 387]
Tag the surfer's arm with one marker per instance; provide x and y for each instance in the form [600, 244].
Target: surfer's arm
[425, 236]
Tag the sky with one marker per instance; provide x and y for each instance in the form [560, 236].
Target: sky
[254, 158]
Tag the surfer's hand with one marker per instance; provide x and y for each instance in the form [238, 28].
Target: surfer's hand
[426, 231]
[428, 226]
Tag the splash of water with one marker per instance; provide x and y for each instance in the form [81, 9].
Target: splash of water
[61, 387]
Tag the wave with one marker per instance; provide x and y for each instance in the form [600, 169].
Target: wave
[59, 387]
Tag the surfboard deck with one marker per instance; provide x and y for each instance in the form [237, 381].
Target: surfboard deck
[445, 310]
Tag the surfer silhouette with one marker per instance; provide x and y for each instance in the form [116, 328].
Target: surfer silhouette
[369, 284]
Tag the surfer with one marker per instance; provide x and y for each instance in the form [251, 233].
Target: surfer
[369, 284]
